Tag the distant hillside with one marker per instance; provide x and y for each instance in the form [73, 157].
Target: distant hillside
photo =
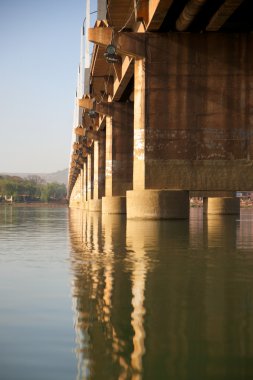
[60, 176]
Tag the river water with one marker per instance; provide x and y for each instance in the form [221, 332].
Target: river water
[85, 296]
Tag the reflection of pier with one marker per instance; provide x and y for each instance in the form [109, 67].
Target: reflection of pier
[166, 298]
[244, 238]
[101, 313]
[137, 260]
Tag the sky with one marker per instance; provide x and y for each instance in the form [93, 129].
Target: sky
[39, 58]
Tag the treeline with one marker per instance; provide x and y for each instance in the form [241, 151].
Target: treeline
[32, 188]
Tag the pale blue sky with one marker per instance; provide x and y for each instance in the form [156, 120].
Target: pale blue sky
[40, 43]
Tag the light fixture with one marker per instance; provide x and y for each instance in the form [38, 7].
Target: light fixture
[92, 114]
[110, 54]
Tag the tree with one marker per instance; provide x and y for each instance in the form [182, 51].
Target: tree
[32, 188]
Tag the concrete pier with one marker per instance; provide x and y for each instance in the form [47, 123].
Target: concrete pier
[221, 206]
[95, 204]
[114, 205]
[157, 204]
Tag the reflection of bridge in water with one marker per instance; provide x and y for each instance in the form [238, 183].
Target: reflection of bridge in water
[162, 299]
[166, 114]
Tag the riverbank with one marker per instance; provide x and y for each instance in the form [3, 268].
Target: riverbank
[35, 204]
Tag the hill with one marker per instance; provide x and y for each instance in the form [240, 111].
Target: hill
[60, 176]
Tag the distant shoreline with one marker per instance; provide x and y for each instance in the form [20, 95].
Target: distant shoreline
[35, 204]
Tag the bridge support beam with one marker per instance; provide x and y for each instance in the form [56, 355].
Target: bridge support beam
[118, 164]
[95, 204]
[76, 197]
[158, 204]
[83, 190]
[222, 206]
[90, 176]
[145, 202]
[114, 205]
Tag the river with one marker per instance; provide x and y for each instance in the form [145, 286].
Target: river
[85, 296]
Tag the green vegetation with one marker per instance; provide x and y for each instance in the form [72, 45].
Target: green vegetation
[30, 189]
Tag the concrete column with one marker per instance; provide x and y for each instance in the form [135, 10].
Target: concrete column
[96, 162]
[118, 162]
[221, 206]
[142, 202]
[95, 204]
[81, 189]
[102, 10]
[75, 198]
[101, 165]
[139, 126]
[84, 186]
[81, 184]
[108, 158]
[90, 176]
[111, 204]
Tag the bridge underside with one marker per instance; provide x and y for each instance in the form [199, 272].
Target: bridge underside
[174, 114]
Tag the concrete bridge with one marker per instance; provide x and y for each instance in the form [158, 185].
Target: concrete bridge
[169, 111]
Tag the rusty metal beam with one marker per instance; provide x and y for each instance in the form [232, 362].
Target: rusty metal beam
[222, 15]
[126, 43]
[190, 11]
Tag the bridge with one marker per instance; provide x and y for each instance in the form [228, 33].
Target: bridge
[168, 113]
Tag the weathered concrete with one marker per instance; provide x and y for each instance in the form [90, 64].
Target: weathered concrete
[118, 166]
[119, 151]
[84, 205]
[114, 205]
[84, 183]
[222, 206]
[95, 205]
[108, 157]
[96, 168]
[75, 200]
[157, 204]
[90, 175]
[193, 119]
[139, 126]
